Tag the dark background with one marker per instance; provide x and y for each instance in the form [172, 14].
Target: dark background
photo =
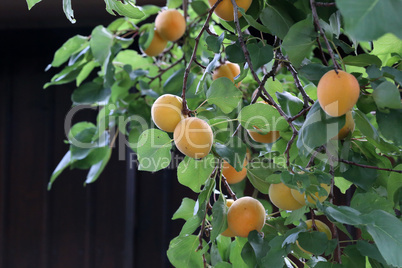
[121, 220]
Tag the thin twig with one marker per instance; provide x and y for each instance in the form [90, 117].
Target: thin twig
[367, 166]
[323, 4]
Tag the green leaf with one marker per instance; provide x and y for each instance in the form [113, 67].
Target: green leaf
[390, 125]
[219, 212]
[186, 209]
[367, 202]
[174, 3]
[386, 46]
[351, 257]
[97, 169]
[318, 129]
[367, 20]
[200, 7]
[259, 245]
[31, 3]
[90, 93]
[101, 44]
[342, 184]
[71, 46]
[68, 11]
[233, 151]
[314, 71]
[253, 22]
[394, 182]
[214, 43]
[235, 252]
[276, 253]
[299, 41]
[234, 53]
[154, 150]
[386, 95]
[291, 105]
[224, 94]
[362, 177]
[194, 173]
[362, 60]
[183, 252]
[127, 9]
[370, 250]
[86, 71]
[261, 117]
[277, 20]
[260, 54]
[261, 175]
[343, 214]
[65, 162]
[314, 242]
[386, 231]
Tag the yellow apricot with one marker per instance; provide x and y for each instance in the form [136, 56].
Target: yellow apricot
[301, 197]
[348, 127]
[224, 10]
[321, 227]
[270, 137]
[193, 137]
[337, 93]
[231, 174]
[228, 232]
[228, 69]
[281, 196]
[166, 112]
[156, 46]
[170, 24]
[245, 215]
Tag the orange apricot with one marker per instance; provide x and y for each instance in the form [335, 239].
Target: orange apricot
[166, 112]
[281, 196]
[348, 127]
[245, 215]
[170, 24]
[156, 46]
[233, 176]
[301, 197]
[224, 10]
[228, 69]
[337, 93]
[193, 137]
[270, 137]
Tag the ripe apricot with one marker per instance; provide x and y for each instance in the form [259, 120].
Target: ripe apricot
[228, 69]
[231, 174]
[170, 24]
[245, 215]
[321, 227]
[166, 112]
[301, 197]
[224, 10]
[156, 46]
[281, 196]
[348, 127]
[337, 93]
[228, 232]
[270, 137]
[193, 137]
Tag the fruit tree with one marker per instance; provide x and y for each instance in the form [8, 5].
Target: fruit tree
[287, 116]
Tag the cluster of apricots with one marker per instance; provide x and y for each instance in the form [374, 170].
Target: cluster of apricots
[170, 25]
[192, 136]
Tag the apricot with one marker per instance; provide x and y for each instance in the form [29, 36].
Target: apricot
[231, 174]
[170, 24]
[228, 232]
[193, 137]
[321, 227]
[337, 93]
[166, 112]
[281, 196]
[301, 197]
[348, 127]
[224, 10]
[245, 215]
[228, 69]
[156, 46]
[270, 137]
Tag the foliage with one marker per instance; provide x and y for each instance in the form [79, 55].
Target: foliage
[283, 49]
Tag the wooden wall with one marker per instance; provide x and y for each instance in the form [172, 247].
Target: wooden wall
[122, 220]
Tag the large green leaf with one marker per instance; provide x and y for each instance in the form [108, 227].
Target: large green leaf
[31, 3]
[298, 42]
[71, 46]
[362, 60]
[186, 209]
[277, 20]
[101, 44]
[219, 215]
[291, 105]
[90, 93]
[224, 94]
[261, 117]
[235, 252]
[386, 231]
[97, 168]
[260, 54]
[390, 125]
[370, 250]
[369, 19]
[194, 173]
[367, 202]
[386, 95]
[233, 151]
[394, 182]
[154, 150]
[183, 252]
[314, 242]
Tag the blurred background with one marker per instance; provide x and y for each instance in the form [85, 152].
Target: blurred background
[121, 220]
